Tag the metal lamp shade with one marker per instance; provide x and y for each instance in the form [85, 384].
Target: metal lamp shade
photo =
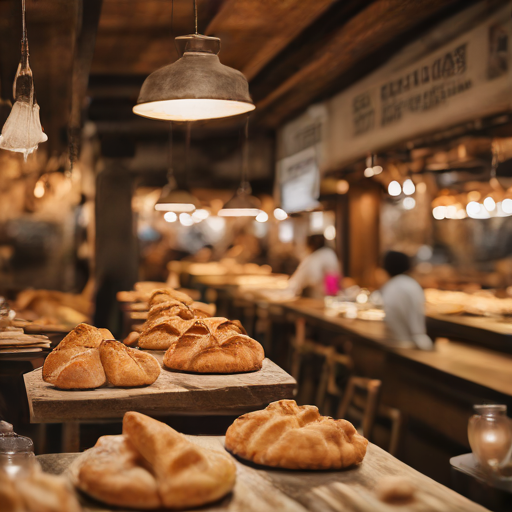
[242, 204]
[195, 87]
[176, 200]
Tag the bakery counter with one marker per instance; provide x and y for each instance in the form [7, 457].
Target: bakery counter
[352, 490]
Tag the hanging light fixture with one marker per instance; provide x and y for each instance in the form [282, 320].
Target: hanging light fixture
[22, 132]
[195, 87]
[243, 204]
[172, 198]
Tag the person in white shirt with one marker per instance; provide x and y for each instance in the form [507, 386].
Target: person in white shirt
[310, 276]
[404, 305]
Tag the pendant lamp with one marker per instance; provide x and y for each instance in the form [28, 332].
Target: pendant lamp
[195, 87]
[22, 132]
[172, 198]
[243, 204]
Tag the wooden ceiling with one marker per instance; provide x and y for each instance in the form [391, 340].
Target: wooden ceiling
[293, 52]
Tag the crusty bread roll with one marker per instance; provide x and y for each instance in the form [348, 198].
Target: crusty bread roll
[214, 345]
[161, 333]
[75, 363]
[132, 339]
[167, 294]
[287, 436]
[113, 472]
[36, 492]
[169, 309]
[125, 367]
[187, 475]
[152, 466]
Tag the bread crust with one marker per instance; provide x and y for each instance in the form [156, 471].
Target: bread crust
[161, 333]
[127, 367]
[289, 436]
[214, 345]
[167, 294]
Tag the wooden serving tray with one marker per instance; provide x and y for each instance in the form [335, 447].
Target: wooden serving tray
[174, 393]
[261, 489]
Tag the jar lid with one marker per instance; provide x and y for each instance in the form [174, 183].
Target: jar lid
[10, 442]
[490, 409]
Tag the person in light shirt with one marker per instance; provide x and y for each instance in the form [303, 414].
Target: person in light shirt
[320, 268]
[404, 305]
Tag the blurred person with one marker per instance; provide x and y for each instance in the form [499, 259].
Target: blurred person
[404, 304]
[318, 271]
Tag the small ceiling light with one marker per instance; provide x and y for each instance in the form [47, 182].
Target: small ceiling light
[242, 204]
[173, 198]
[506, 205]
[439, 212]
[490, 204]
[170, 217]
[342, 187]
[262, 217]
[200, 215]
[195, 87]
[368, 172]
[186, 219]
[394, 189]
[330, 233]
[377, 169]
[409, 203]
[473, 208]
[22, 132]
[280, 214]
[39, 189]
[409, 187]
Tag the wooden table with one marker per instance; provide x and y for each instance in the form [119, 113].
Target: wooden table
[174, 393]
[259, 490]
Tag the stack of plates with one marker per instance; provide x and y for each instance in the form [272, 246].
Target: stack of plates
[13, 340]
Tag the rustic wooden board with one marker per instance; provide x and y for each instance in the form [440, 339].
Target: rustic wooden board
[258, 489]
[172, 393]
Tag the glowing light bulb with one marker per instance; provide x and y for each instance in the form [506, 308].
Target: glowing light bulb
[394, 188]
[170, 217]
[409, 203]
[439, 212]
[262, 217]
[506, 205]
[186, 219]
[280, 214]
[39, 189]
[409, 187]
[377, 170]
[490, 204]
[342, 186]
[473, 208]
[330, 233]
[368, 172]
[200, 215]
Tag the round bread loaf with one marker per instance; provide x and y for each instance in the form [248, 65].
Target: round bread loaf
[289, 436]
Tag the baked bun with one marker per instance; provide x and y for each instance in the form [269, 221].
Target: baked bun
[126, 367]
[167, 294]
[152, 466]
[161, 333]
[75, 363]
[289, 436]
[36, 492]
[113, 472]
[214, 345]
[169, 309]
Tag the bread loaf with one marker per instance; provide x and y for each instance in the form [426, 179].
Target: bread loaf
[126, 367]
[152, 466]
[161, 333]
[167, 294]
[75, 363]
[214, 345]
[287, 436]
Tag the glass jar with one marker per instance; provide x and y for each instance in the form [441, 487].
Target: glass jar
[16, 452]
[490, 437]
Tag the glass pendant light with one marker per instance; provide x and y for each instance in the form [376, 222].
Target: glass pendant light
[172, 198]
[22, 132]
[243, 204]
[195, 87]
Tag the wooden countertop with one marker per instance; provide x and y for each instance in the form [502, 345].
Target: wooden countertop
[487, 368]
[173, 393]
[353, 490]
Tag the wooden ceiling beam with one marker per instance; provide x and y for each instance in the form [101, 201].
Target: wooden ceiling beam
[254, 32]
[360, 37]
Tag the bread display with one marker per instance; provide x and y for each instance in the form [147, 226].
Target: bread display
[214, 345]
[126, 366]
[167, 294]
[36, 492]
[151, 466]
[289, 436]
[75, 363]
[88, 356]
[161, 333]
